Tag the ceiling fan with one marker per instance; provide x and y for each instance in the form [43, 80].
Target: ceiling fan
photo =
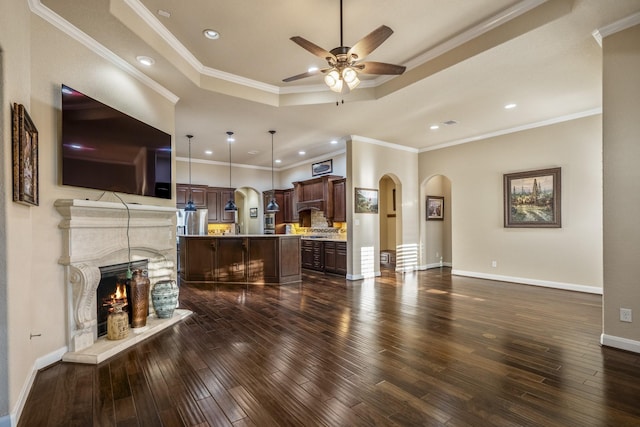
[342, 74]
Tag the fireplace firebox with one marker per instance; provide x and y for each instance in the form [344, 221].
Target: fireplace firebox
[111, 277]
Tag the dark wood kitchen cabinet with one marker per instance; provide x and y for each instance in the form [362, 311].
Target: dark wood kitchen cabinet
[236, 259]
[312, 255]
[290, 199]
[338, 194]
[217, 197]
[198, 195]
[335, 257]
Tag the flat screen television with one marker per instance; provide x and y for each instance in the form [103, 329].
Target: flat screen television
[105, 149]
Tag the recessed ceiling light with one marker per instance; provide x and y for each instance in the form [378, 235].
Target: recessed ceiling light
[434, 127]
[510, 106]
[334, 141]
[146, 60]
[164, 13]
[253, 152]
[278, 161]
[302, 153]
[209, 152]
[211, 34]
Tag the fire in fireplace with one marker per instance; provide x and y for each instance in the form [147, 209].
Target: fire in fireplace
[114, 287]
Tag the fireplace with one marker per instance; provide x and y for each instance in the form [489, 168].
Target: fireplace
[113, 278]
[96, 234]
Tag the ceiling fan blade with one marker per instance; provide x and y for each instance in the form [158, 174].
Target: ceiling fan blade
[307, 74]
[312, 47]
[372, 67]
[370, 42]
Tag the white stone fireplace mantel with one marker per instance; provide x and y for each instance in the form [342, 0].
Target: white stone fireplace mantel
[97, 234]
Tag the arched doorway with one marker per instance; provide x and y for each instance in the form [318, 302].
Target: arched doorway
[389, 212]
[246, 199]
[436, 234]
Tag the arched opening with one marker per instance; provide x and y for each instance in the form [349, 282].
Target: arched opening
[436, 216]
[248, 200]
[390, 217]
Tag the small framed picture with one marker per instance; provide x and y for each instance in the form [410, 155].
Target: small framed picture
[435, 208]
[366, 200]
[253, 212]
[322, 168]
[25, 157]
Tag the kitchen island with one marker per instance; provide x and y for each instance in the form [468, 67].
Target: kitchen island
[254, 258]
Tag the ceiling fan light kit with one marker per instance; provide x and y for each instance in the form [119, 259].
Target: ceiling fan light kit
[342, 74]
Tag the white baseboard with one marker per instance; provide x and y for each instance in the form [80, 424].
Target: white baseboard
[534, 282]
[620, 343]
[434, 265]
[40, 363]
[361, 276]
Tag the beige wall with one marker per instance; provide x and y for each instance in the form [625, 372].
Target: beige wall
[436, 235]
[14, 87]
[367, 162]
[621, 105]
[38, 59]
[565, 257]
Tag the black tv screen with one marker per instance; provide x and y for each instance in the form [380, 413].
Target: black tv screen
[105, 149]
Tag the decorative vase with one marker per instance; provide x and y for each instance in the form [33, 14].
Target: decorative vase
[117, 323]
[164, 296]
[139, 286]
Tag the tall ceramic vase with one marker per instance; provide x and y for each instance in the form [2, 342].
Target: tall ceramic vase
[139, 286]
[164, 296]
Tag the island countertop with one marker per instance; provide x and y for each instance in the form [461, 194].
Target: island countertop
[241, 258]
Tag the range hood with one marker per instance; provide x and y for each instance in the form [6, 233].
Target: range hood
[308, 205]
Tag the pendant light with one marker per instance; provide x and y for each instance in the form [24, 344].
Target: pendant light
[190, 206]
[230, 206]
[272, 206]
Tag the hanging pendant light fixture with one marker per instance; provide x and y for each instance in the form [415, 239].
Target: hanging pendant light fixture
[190, 206]
[230, 206]
[272, 206]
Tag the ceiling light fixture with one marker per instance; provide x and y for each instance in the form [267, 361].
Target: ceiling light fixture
[334, 141]
[145, 60]
[230, 206]
[434, 127]
[211, 34]
[272, 206]
[190, 206]
[342, 74]
[510, 106]
[302, 153]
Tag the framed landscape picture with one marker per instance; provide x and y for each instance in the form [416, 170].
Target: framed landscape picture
[366, 200]
[253, 212]
[435, 208]
[532, 199]
[25, 157]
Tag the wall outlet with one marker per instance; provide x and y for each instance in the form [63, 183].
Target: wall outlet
[626, 315]
[494, 264]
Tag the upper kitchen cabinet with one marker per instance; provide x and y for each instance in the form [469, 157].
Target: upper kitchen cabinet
[211, 198]
[338, 192]
[314, 193]
[198, 195]
[217, 197]
[290, 199]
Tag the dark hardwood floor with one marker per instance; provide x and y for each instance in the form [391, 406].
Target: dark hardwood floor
[424, 348]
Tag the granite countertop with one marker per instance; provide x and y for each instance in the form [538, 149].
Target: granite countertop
[237, 235]
[324, 238]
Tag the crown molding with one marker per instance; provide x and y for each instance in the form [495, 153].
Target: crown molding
[615, 27]
[74, 32]
[559, 119]
[485, 26]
